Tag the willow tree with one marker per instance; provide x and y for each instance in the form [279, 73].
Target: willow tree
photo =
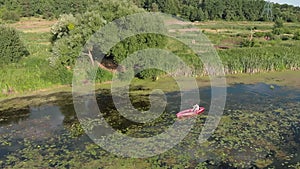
[71, 32]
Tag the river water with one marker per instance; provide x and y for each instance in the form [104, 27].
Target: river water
[260, 128]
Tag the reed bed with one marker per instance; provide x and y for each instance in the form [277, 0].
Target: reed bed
[255, 60]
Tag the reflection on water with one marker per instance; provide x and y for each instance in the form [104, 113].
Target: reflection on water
[260, 97]
[52, 114]
[38, 124]
[57, 124]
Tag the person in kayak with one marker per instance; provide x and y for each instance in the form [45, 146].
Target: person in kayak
[196, 107]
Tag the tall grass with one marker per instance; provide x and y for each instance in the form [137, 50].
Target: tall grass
[23, 76]
[264, 59]
[30, 73]
[279, 57]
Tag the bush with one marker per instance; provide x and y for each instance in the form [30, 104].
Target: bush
[278, 27]
[297, 35]
[259, 34]
[11, 47]
[103, 75]
[247, 43]
[278, 31]
[291, 19]
[60, 28]
[278, 23]
[57, 75]
[287, 30]
[276, 39]
[139, 42]
[150, 74]
[285, 37]
[10, 16]
[48, 15]
[270, 35]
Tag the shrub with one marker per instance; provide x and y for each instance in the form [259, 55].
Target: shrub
[48, 15]
[285, 37]
[57, 74]
[287, 30]
[150, 74]
[277, 38]
[11, 47]
[139, 42]
[10, 16]
[103, 75]
[297, 35]
[247, 43]
[291, 19]
[60, 28]
[278, 27]
[270, 35]
[278, 23]
[259, 34]
[278, 31]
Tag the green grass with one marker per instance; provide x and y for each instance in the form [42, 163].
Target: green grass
[265, 56]
[220, 32]
[214, 25]
[38, 44]
[26, 75]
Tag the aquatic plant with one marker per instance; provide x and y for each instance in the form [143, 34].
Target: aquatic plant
[245, 138]
[263, 163]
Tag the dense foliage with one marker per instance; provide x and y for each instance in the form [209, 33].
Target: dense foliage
[11, 46]
[71, 32]
[136, 43]
[196, 10]
[9, 15]
[46, 8]
[55, 8]
[193, 10]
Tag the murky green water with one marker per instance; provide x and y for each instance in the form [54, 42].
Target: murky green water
[260, 128]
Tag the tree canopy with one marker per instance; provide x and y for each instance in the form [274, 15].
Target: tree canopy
[71, 32]
[199, 10]
[194, 10]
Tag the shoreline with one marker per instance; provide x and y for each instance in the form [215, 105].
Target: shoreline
[64, 92]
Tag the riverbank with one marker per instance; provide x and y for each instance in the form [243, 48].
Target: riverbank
[32, 74]
[63, 93]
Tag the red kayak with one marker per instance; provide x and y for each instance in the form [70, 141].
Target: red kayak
[190, 112]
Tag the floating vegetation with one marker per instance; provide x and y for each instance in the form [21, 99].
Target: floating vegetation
[259, 129]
